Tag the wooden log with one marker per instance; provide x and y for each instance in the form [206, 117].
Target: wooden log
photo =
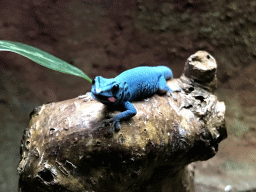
[66, 146]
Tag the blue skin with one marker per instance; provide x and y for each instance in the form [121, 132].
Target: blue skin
[133, 84]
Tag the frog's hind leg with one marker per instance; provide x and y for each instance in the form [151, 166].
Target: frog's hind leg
[164, 88]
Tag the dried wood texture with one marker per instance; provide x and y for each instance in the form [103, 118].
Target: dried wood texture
[66, 148]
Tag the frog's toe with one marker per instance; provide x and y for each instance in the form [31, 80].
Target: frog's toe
[117, 126]
[111, 131]
[108, 121]
[170, 93]
[86, 97]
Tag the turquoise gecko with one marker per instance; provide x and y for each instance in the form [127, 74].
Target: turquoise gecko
[133, 84]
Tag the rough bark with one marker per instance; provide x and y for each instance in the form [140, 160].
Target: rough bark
[66, 146]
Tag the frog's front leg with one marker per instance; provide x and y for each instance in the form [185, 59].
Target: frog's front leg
[87, 97]
[130, 112]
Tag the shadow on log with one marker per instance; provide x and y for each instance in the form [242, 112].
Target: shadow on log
[66, 148]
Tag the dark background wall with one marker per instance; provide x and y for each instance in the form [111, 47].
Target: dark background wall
[106, 37]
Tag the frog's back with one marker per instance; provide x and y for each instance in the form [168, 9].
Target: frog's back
[143, 81]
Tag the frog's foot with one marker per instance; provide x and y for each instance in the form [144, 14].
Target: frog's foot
[170, 93]
[86, 97]
[115, 125]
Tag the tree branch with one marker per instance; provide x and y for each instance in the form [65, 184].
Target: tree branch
[65, 146]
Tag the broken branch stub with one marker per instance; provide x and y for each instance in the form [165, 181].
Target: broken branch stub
[66, 146]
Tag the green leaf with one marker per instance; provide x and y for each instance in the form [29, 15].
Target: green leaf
[42, 58]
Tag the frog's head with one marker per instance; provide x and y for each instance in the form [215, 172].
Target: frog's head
[109, 91]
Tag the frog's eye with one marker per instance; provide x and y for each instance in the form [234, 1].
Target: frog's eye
[115, 89]
[93, 81]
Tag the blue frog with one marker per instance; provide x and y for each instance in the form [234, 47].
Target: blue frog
[133, 84]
